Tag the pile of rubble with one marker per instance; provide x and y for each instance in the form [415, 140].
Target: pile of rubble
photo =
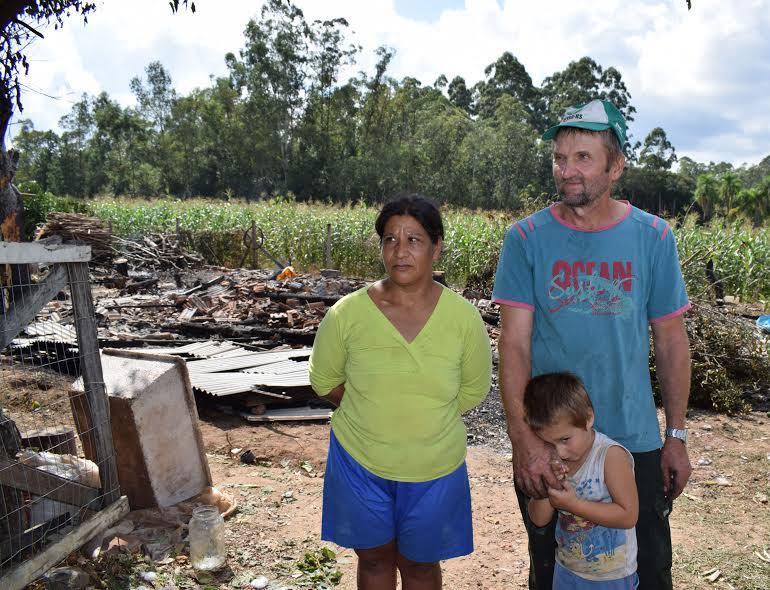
[242, 305]
[245, 335]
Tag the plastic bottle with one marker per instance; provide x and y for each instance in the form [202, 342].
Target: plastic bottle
[207, 538]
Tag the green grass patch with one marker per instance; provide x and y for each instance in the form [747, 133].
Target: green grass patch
[739, 567]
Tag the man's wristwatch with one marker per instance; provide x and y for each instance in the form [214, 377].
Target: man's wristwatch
[680, 433]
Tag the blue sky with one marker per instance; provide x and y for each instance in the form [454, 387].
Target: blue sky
[425, 11]
[702, 75]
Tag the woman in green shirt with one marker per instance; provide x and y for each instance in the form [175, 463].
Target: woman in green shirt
[403, 359]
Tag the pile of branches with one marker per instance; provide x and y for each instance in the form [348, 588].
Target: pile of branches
[155, 251]
[730, 360]
[81, 229]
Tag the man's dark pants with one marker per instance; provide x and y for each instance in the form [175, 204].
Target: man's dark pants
[653, 535]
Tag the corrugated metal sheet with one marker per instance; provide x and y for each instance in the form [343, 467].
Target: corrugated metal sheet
[22, 343]
[229, 383]
[280, 368]
[231, 353]
[220, 373]
[253, 359]
[52, 332]
[281, 414]
[223, 383]
[201, 350]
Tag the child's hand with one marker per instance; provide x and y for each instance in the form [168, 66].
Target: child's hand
[559, 469]
[563, 498]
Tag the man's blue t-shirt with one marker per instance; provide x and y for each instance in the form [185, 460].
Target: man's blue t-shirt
[593, 294]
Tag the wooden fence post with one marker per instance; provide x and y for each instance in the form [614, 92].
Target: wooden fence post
[254, 255]
[328, 247]
[93, 380]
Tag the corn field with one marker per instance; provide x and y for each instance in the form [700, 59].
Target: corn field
[739, 252]
[297, 231]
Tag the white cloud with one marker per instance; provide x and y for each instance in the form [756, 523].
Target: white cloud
[703, 75]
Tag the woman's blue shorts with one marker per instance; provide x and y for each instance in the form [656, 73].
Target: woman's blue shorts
[430, 521]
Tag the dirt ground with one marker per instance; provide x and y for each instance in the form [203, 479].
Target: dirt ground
[721, 523]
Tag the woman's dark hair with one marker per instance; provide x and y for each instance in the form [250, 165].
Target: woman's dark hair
[554, 396]
[418, 206]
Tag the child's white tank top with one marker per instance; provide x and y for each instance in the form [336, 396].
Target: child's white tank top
[589, 550]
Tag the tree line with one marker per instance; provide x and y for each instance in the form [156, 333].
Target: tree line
[282, 122]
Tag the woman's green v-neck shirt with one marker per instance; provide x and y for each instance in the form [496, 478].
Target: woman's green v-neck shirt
[400, 415]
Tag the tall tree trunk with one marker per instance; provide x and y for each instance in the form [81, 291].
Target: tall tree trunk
[11, 206]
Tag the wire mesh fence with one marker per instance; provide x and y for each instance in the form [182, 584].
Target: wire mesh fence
[57, 464]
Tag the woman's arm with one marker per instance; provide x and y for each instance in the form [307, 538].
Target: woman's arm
[623, 511]
[327, 360]
[334, 397]
[540, 512]
[476, 367]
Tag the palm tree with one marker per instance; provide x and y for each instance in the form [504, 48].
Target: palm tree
[706, 194]
[746, 201]
[755, 201]
[729, 186]
[762, 192]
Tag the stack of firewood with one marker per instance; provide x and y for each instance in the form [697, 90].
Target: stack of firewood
[155, 251]
[78, 228]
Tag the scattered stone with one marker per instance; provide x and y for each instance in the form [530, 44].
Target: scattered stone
[67, 578]
[704, 461]
[707, 427]
[259, 582]
[718, 481]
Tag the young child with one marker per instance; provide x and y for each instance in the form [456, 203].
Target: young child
[598, 505]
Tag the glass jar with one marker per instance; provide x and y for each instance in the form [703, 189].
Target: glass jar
[207, 538]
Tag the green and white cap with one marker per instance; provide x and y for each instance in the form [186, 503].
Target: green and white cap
[596, 115]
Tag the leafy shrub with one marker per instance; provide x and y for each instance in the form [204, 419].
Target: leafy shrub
[730, 359]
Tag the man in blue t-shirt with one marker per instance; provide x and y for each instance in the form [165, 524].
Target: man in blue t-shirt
[578, 285]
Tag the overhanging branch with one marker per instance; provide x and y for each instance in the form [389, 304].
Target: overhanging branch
[28, 27]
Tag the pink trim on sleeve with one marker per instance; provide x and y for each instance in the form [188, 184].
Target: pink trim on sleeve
[521, 231]
[510, 303]
[655, 221]
[530, 224]
[665, 231]
[673, 314]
